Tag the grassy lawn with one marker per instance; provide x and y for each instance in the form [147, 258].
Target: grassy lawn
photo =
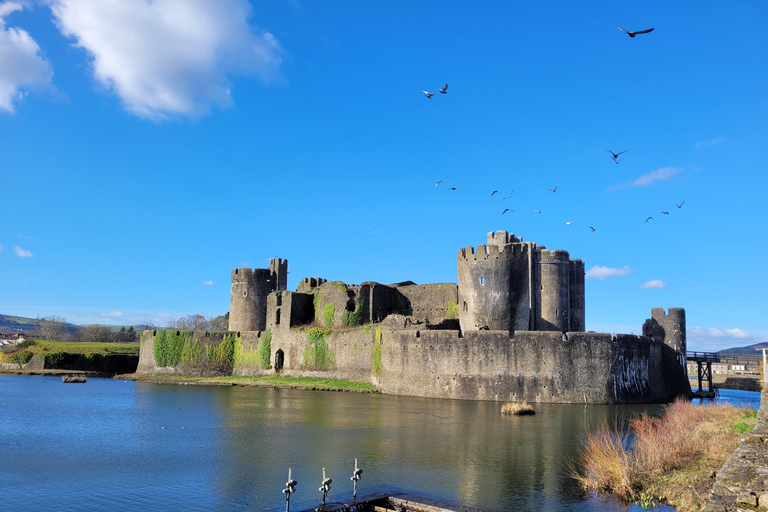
[275, 381]
[42, 347]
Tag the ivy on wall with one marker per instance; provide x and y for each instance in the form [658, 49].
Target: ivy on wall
[317, 355]
[452, 310]
[328, 312]
[377, 366]
[353, 318]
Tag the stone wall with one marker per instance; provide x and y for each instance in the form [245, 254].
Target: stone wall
[536, 366]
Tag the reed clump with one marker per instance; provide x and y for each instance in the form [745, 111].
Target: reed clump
[517, 408]
[666, 459]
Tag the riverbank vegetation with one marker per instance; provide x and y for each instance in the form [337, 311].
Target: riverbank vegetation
[23, 352]
[274, 381]
[663, 459]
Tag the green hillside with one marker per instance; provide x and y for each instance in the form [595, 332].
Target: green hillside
[10, 323]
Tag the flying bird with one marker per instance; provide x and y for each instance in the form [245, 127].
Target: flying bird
[680, 205]
[553, 189]
[439, 182]
[429, 94]
[649, 218]
[590, 227]
[507, 210]
[615, 155]
[453, 188]
[633, 34]
[665, 213]
[444, 90]
[537, 211]
[510, 195]
[617, 161]
[569, 222]
[494, 192]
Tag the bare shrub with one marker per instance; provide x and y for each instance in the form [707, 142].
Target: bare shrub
[517, 408]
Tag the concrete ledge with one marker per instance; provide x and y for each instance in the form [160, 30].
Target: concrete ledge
[742, 482]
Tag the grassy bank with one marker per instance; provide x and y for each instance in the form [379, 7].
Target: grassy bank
[43, 347]
[274, 381]
[671, 458]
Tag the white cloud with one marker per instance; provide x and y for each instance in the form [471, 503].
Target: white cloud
[208, 283]
[112, 314]
[21, 64]
[603, 273]
[655, 284]
[707, 143]
[25, 237]
[23, 253]
[169, 58]
[660, 174]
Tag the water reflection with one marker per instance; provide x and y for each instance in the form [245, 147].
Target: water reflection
[101, 445]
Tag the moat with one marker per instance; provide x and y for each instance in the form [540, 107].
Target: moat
[102, 446]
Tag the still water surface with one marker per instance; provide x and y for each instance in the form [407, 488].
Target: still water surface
[102, 446]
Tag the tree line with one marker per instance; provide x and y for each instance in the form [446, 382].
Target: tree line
[56, 328]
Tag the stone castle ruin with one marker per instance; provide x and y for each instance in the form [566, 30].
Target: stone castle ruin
[512, 329]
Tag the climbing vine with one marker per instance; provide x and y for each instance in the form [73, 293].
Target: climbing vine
[328, 312]
[317, 355]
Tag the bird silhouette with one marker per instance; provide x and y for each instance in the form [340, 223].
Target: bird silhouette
[553, 189]
[617, 161]
[453, 188]
[680, 205]
[507, 210]
[615, 155]
[590, 227]
[429, 94]
[665, 213]
[439, 182]
[633, 34]
[649, 218]
[494, 192]
[570, 222]
[537, 211]
[444, 90]
[510, 195]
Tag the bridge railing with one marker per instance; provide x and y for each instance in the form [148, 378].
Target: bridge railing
[724, 357]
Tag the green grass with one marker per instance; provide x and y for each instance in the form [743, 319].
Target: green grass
[41, 347]
[271, 381]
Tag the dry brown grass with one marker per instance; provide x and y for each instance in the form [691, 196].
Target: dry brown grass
[671, 459]
[517, 408]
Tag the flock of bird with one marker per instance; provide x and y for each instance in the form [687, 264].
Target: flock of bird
[615, 156]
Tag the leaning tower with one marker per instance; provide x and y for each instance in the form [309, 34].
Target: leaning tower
[249, 291]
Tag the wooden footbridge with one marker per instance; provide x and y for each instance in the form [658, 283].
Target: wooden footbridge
[704, 362]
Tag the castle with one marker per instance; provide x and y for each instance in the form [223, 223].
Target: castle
[504, 285]
[512, 329]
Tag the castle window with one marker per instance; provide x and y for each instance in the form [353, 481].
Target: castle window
[465, 306]
[245, 293]
[277, 317]
[482, 280]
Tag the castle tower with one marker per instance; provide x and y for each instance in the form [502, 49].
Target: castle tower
[555, 291]
[670, 330]
[508, 284]
[494, 284]
[249, 291]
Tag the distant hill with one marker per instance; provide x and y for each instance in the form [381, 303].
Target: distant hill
[749, 350]
[10, 323]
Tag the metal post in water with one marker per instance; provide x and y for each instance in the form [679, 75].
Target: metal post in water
[356, 476]
[290, 488]
[325, 486]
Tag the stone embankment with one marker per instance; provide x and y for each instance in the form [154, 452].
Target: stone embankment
[742, 482]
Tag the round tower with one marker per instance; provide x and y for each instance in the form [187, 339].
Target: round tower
[248, 299]
[484, 288]
[555, 291]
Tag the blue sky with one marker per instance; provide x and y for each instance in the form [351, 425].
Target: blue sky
[148, 148]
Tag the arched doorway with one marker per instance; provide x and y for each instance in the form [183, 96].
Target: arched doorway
[279, 360]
